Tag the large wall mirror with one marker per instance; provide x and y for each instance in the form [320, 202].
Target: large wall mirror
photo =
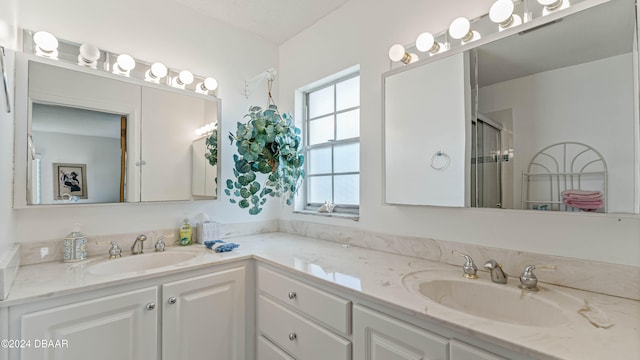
[542, 119]
[89, 137]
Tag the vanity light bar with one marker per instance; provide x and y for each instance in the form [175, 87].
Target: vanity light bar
[206, 129]
[460, 29]
[45, 44]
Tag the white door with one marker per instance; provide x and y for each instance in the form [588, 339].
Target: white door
[380, 337]
[122, 326]
[204, 317]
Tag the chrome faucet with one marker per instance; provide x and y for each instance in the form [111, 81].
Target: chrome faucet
[469, 269]
[139, 240]
[529, 280]
[497, 275]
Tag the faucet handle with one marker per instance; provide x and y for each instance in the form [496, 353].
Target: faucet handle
[529, 280]
[114, 251]
[469, 269]
[160, 244]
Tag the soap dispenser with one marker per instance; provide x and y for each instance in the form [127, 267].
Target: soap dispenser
[75, 245]
[186, 233]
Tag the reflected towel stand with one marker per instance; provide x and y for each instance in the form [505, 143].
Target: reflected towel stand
[559, 167]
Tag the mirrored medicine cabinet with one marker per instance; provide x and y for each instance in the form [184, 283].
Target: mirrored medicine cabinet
[521, 117]
[89, 137]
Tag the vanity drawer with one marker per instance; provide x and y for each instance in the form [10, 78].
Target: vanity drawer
[269, 351]
[329, 309]
[299, 336]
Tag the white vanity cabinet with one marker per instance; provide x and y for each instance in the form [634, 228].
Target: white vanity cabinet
[300, 321]
[462, 351]
[380, 337]
[204, 317]
[191, 316]
[122, 326]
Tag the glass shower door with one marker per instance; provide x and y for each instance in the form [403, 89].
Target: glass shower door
[486, 176]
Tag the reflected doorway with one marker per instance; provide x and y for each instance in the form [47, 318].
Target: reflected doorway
[486, 163]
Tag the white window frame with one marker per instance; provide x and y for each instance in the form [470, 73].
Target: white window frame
[340, 208]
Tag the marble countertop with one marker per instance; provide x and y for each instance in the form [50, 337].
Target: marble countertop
[384, 278]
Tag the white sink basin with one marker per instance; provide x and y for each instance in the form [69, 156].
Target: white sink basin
[496, 302]
[143, 262]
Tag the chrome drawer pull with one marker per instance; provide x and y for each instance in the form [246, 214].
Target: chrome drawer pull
[172, 300]
[293, 336]
[150, 306]
[292, 295]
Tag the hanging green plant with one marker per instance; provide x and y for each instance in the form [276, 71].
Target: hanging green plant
[268, 143]
[212, 148]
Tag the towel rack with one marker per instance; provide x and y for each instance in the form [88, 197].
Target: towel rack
[559, 167]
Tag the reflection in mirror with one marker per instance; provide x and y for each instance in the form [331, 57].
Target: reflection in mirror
[564, 92]
[112, 140]
[203, 177]
[92, 147]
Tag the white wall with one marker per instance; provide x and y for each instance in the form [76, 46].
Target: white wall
[171, 33]
[543, 115]
[361, 32]
[101, 155]
[6, 167]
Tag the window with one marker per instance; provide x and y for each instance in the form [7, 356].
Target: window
[332, 145]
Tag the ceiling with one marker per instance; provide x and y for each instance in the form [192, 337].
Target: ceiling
[274, 20]
[73, 121]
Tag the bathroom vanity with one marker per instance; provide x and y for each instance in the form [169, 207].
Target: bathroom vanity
[284, 296]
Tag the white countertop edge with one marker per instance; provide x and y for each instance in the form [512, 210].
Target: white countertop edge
[256, 247]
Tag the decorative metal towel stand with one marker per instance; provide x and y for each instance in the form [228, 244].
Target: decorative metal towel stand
[559, 167]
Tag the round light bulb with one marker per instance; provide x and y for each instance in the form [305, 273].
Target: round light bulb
[210, 84]
[550, 3]
[425, 42]
[185, 77]
[553, 5]
[501, 11]
[159, 70]
[125, 62]
[89, 53]
[396, 52]
[45, 41]
[460, 28]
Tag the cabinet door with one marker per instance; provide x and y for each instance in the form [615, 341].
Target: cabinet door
[462, 351]
[122, 326]
[169, 124]
[427, 118]
[269, 351]
[380, 337]
[204, 317]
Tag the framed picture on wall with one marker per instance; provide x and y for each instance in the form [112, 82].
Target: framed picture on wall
[69, 180]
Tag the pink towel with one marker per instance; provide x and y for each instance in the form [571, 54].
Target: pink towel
[584, 204]
[581, 194]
